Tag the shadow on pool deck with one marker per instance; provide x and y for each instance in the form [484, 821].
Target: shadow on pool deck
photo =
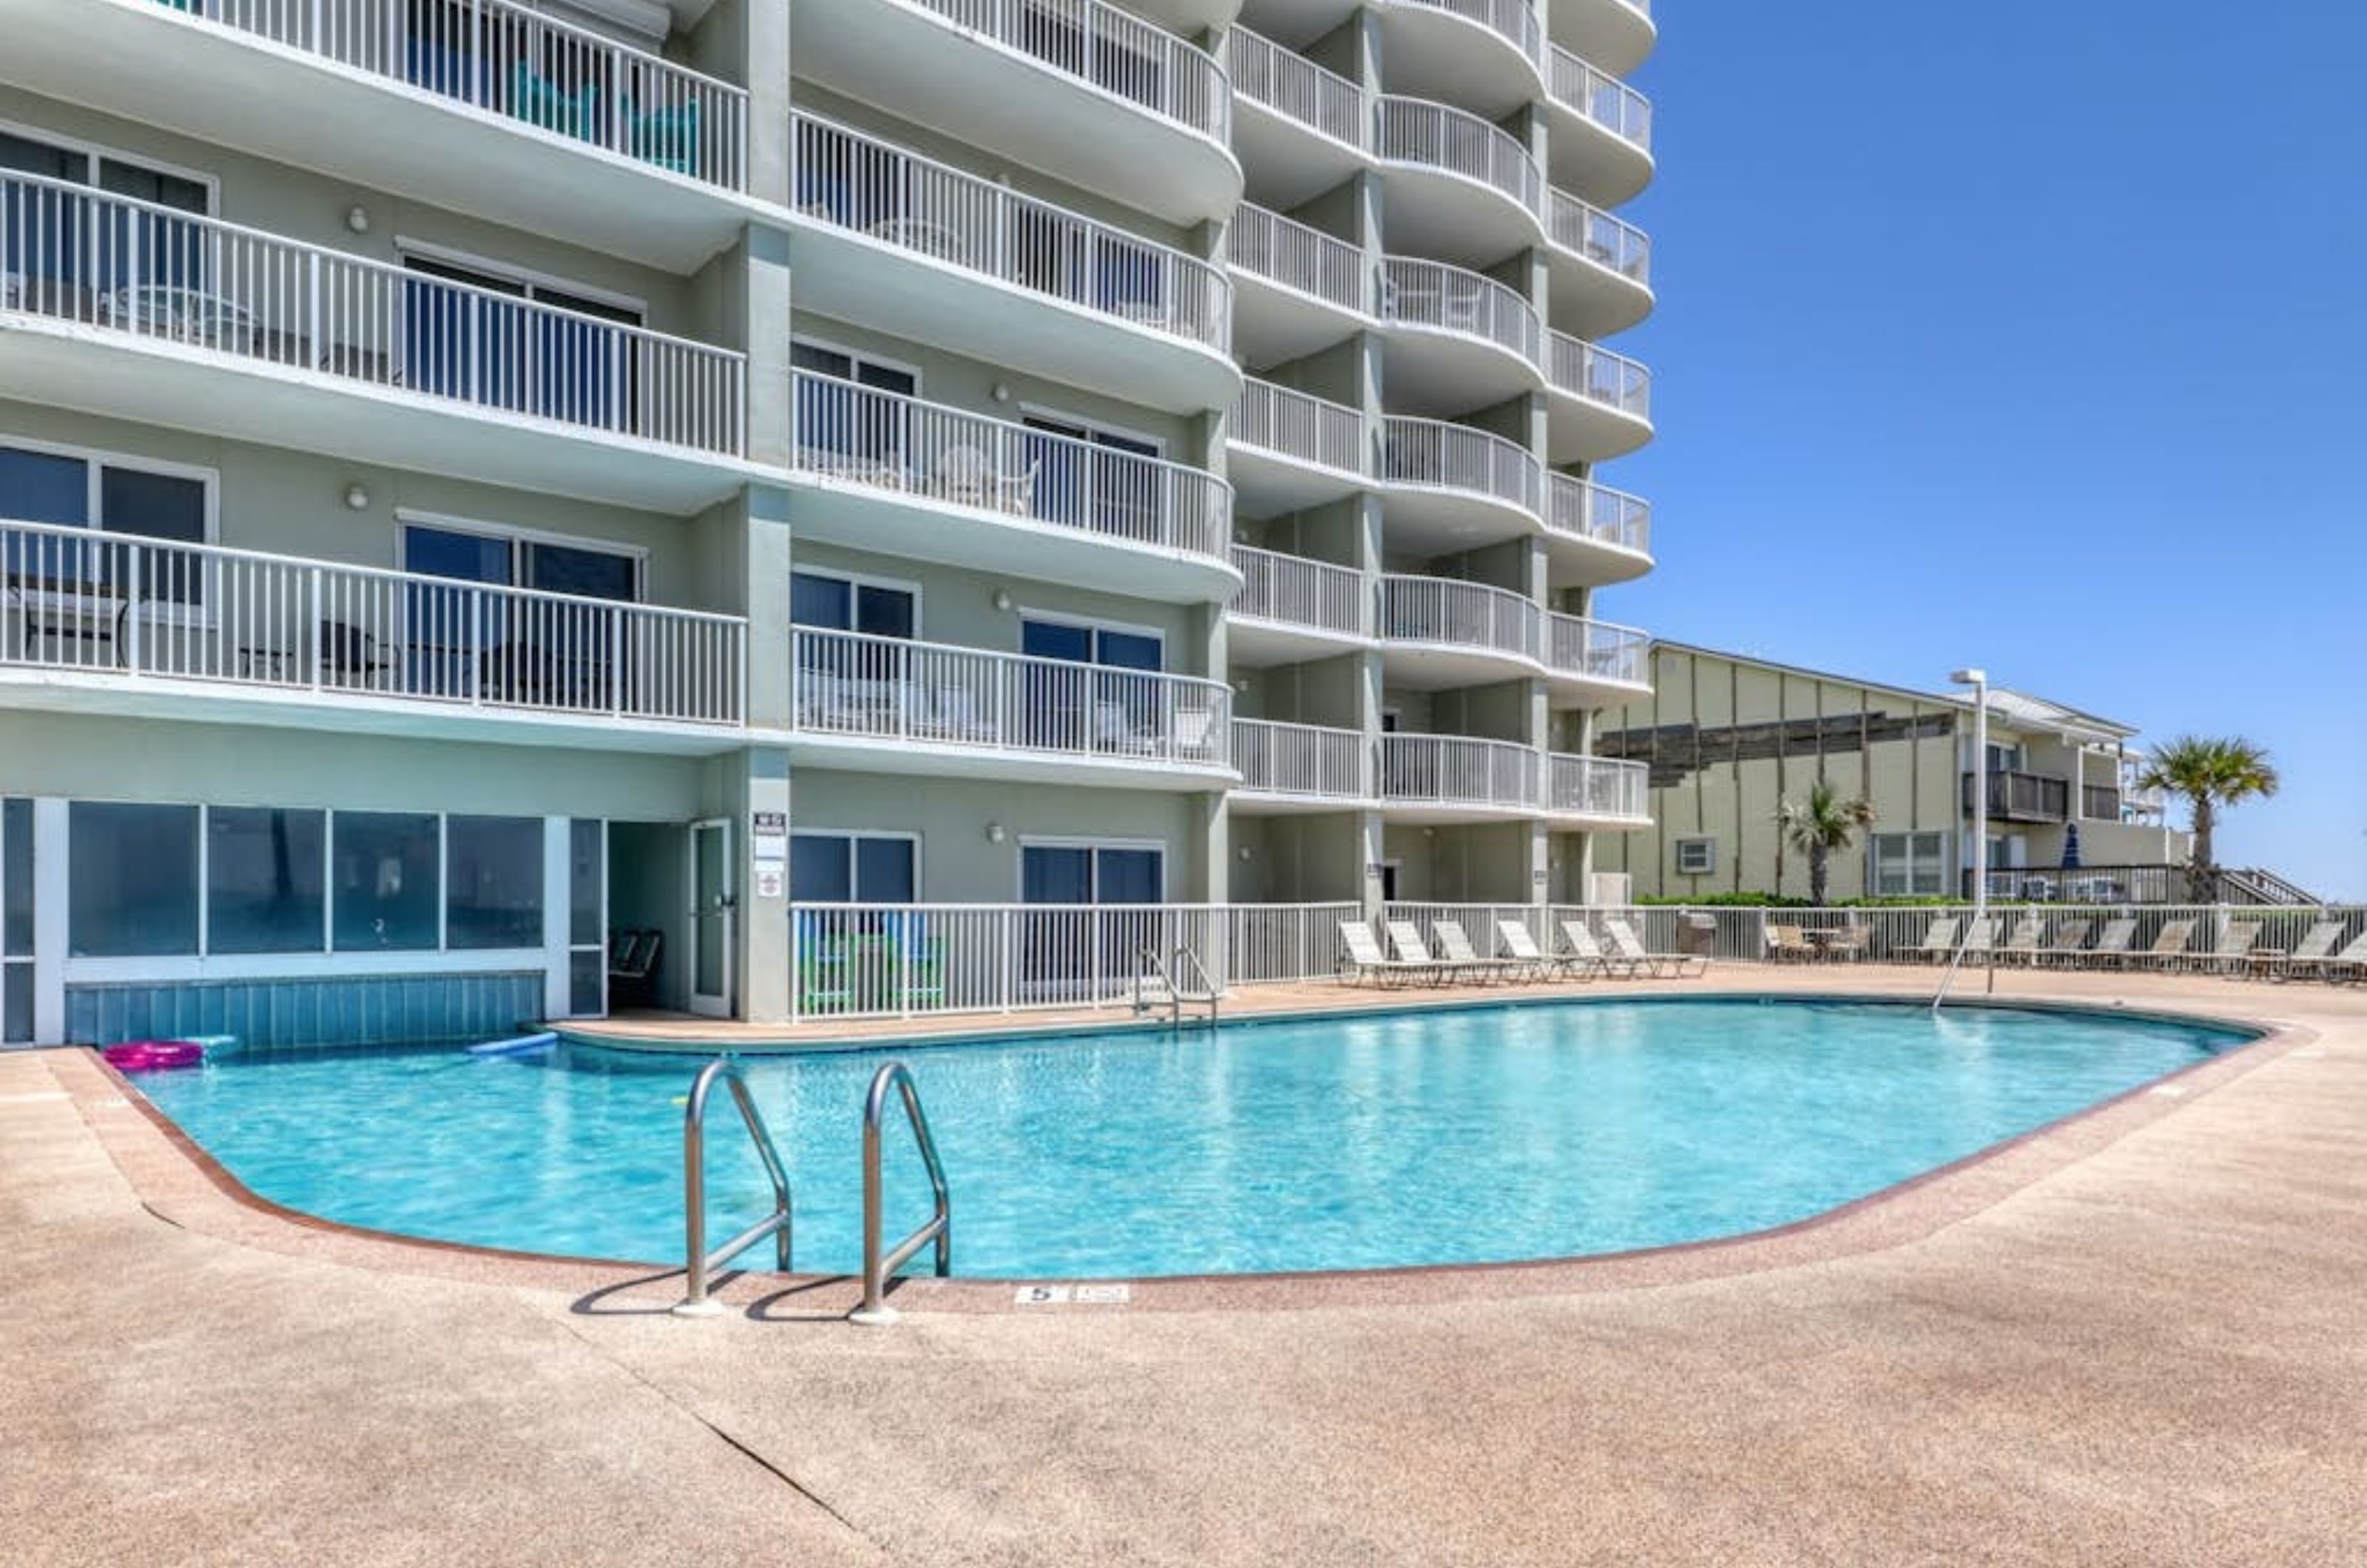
[2145, 1344]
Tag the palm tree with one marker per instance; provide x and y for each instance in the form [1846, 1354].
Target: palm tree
[1825, 824]
[2210, 772]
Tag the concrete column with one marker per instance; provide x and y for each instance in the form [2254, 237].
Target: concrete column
[751, 788]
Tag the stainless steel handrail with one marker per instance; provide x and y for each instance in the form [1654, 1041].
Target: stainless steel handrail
[879, 1265]
[1153, 964]
[698, 1262]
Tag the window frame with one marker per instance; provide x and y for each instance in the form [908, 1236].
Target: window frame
[855, 356]
[1904, 838]
[516, 536]
[1067, 841]
[102, 152]
[850, 836]
[1707, 843]
[857, 580]
[95, 461]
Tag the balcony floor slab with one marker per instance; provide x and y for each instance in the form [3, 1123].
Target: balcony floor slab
[868, 754]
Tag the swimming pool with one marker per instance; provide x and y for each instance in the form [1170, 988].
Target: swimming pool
[1469, 1135]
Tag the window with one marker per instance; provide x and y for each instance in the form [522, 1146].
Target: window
[59, 244]
[851, 414]
[492, 882]
[518, 649]
[854, 868]
[389, 897]
[1101, 709]
[264, 880]
[830, 602]
[1696, 857]
[482, 342]
[1092, 873]
[1908, 865]
[1094, 478]
[587, 916]
[132, 880]
[105, 495]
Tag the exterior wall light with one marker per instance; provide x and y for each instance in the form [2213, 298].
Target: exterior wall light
[994, 832]
[358, 218]
[356, 498]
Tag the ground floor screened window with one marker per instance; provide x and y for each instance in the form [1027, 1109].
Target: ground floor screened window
[1908, 865]
[854, 868]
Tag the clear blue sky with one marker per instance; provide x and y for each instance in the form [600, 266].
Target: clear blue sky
[2030, 335]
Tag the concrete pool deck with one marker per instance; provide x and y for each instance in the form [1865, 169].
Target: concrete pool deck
[2138, 1339]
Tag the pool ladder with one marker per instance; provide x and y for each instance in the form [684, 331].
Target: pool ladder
[698, 1262]
[879, 1264]
[1185, 960]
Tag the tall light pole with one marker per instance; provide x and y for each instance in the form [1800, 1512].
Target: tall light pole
[1978, 680]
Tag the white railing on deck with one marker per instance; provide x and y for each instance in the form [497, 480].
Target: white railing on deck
[1450, 298]
[1436, 455]
[97, 260]
[1461, 614]
[1288, 253]
[1302, 759]
[1514, 21]
[1596, 650]
[1607, 241]
[121, 606]
[1434, 136]
[1121, 54]
[523, 64]
[887, 961]
[1600, 96]
[1294, 86]
[858, 434]
[880, 688]
[1584, 510]
[1589, 371]
[1277, 419]
[1454, 769]
[1598, 786]
[1298, 592]
[899, 198]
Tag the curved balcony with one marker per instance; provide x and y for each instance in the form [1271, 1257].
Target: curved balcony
[1456, 778]
[889, 704]
[1617, 35]
[1602, 404]
[1459, 186]
[1454, 340]
[113, 623]
[1437, 633]
[1602, 267]
[1601, 130]
[494, 109]
[1299, 767]
[1299, 129]
[1292, 608]
[145, 312]
[1289, 451]
[1594, 664]
[1300, 289]
[893, 240]
[1595, 535]
[888, 472]
[1600, 790]
[1081, 90]
[1452, 488]
[1482, 53]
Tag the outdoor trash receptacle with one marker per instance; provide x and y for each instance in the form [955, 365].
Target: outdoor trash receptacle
[1697, 934]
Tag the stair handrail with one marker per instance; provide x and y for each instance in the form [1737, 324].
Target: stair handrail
[879, 1265]
[698, 1262]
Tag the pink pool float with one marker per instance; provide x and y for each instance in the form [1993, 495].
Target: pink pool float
[154, 1055]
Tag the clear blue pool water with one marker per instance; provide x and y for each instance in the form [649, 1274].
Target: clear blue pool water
[1476, 1135]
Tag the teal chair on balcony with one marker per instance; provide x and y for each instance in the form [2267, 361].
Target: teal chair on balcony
[668, 138]
[539, 102]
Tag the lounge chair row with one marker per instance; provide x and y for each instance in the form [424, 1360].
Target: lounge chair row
[2236, 951]
[1411, 962]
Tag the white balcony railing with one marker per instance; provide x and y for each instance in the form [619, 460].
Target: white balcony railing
[861, 435]
[1460, 615]
[1596, 650]
[1514, 21]
[870, 188]
[1581, 509]
[1415, 131]
[1121, 54]
[1295, 87]
[1600, 96]
[1590, 371]
[124, 607]
[76, 255]
[1587, 230]
[1598, 786]
[1450, 298]
[520, 63]
[1436, 455]
[1454, 769]
[1294, 424]
[1302, 759]
[1296, 591]
[879, 688]
[1309, 261]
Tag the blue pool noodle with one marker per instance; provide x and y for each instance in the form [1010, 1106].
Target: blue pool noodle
[521, 1046]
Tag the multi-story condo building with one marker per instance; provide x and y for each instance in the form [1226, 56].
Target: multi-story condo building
[497, 493]
[1729, 739]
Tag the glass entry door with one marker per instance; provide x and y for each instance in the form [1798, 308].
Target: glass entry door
[713, 911]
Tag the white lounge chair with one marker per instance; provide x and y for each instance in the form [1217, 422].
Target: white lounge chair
[2349, 964]
[2070, 941]
[1939, 940]
[1789, 944]
[2168, 949]
[1625, 943]
[2232, 954]
[1405, 941]
[1523, 947]
[1366, 961]
[2311, 951]
[1586, 953]
[1456, 944]
[2112, 949]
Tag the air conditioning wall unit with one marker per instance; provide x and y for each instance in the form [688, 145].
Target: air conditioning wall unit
[1612, 889]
